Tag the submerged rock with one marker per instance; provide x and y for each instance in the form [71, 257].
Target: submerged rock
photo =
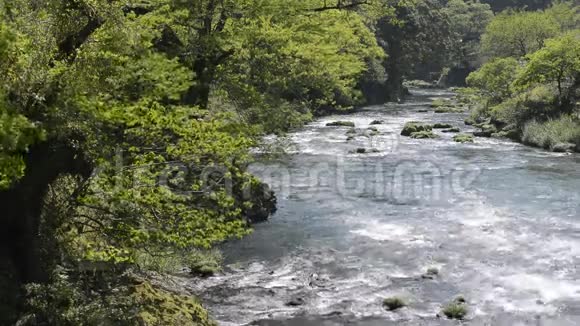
[414, 126]
[295, 302]
[340, 124]
[454, 129]
[362, 150]
[376, 122]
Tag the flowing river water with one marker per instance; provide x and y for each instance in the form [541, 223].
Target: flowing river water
[500, 221]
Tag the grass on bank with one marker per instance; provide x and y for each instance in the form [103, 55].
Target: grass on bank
[565, 129]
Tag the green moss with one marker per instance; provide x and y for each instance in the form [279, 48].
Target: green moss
[341, 124]
[423, 135]
[439, 103]
[394, 303]
[414, 126]
[463, 138]
[204, 264]
[455, 310]
[159, 307]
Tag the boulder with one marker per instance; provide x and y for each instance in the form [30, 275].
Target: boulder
[563, 148]
[340, 124]
[413, 126]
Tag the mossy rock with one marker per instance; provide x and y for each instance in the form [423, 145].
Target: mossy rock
[452, 130]
[341, 124]
[376, 122]
[455, 310]
[469, 121]
[440, 103]
[448, 109]
[463, 138]
[351, 131]
[394, 303]
[205, 264]
[487, 130]
[373, 129]
[442, 126]
[424, 135]
[160, 307]
[414, 126]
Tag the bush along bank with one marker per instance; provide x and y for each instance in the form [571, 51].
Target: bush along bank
[530, 92]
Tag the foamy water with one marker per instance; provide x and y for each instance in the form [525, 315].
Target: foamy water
[500, 221]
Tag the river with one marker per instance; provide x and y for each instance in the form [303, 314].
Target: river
[500, 222]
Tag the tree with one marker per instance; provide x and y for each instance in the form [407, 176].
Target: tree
[416, 35]
[495, 78]
[518, 33]
[468, 20]
[557, 63]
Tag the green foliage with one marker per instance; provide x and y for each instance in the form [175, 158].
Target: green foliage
[518, 33]
[468, 20]
[120, 300]
[557, 63]
[495, 78]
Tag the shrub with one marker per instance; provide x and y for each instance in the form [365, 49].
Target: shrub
[547, 134]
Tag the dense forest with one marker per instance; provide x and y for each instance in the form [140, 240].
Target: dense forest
[127, 127]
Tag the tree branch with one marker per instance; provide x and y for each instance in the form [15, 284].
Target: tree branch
[341, 6]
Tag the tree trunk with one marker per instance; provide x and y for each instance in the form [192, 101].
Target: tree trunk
[22, 205]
